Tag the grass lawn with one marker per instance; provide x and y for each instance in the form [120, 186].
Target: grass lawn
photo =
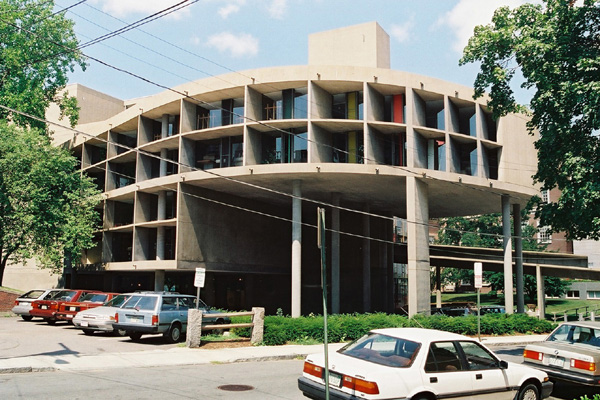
[558, 306]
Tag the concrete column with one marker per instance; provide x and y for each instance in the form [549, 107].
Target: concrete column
[163, 162]
[417, 213]
[159, 280]
[335, 254]
[164, 128]
[541, 295]
[161, 205]
[519, 258]
[296, 250]
[366, 260]
[160, 243]
[507, 248]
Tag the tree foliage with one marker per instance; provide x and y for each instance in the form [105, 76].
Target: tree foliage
[46, 205]
[556, 47]
[38, 48]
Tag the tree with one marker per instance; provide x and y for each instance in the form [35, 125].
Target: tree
[556, 47]
[553, 286]
[46, 205]
[38, 48]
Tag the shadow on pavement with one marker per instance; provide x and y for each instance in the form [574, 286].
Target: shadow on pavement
[571, 391]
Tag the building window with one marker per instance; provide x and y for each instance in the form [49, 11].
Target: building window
[573, 294]
[544, 234]
[593, 295]
[546, 196]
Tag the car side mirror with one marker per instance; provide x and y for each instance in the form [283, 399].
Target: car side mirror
[503, 364]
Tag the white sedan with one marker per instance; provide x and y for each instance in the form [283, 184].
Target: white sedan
[419, 364]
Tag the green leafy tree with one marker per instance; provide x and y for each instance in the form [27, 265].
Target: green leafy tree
[556, 47]
[46, 205]
[38, 49]
[553, 286]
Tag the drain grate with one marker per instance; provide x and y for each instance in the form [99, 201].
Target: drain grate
[236, 388]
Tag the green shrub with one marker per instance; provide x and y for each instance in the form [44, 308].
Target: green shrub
[347, 327]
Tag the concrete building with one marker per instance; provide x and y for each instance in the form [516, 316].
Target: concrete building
[226, 173]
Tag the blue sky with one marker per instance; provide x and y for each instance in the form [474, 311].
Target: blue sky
[213, 37]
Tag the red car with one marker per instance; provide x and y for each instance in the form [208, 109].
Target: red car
[47, 309]
[67, 310]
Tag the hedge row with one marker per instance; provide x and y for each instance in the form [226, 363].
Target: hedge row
[280, 330]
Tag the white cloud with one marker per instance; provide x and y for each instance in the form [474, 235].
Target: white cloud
[238, 46]
[277, 8]
[402, 33]
[228, 9]
[122, 8]
[231, 8]
[467, 14]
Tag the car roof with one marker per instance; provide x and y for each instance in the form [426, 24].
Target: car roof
[420, 334]
[590, 324]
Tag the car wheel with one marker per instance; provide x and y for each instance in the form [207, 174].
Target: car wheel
[135, 336]
[120, 332]
[27, 317]
[50, 321]
[528, 392]
[218, 331]
[174, 334]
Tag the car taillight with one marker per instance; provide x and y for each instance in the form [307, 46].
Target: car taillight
[116, 317]
[360, 385]
[155, 320]
[533, 355]
[586, 365]
[16, 303]
[313, 369]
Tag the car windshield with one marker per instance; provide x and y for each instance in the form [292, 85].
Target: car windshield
[117, 301]
[147, 303]
[382, 349]
[66, 295]
[32, 294]
[568, 333]
[95, 297]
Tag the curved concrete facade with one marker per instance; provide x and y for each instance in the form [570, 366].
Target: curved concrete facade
[226, 173]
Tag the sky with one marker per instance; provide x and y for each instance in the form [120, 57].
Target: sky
[213, 37]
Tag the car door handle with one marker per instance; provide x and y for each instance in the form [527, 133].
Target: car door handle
[433, 379]
[478, 376]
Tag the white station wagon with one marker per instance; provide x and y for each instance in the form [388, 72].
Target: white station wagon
[420, 364]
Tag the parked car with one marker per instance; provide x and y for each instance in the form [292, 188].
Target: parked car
[100, 318]
[67, 310]
[159, 313]
[570, 353]
[47, 309]
[23, 302]
[419, 364]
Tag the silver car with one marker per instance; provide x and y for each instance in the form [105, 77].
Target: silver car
[23, 302]
[570, 353]
[163, 313]
[100, 318]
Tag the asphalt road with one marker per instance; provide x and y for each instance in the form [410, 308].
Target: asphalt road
[267, 380]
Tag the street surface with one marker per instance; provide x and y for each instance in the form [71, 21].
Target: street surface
[264, 380]
[267, 379]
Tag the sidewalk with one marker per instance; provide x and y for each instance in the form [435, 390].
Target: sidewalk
[187, 356]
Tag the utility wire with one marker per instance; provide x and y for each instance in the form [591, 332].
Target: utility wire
[179, 165]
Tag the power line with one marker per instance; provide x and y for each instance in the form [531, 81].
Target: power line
[253, 120]
[178, 164]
